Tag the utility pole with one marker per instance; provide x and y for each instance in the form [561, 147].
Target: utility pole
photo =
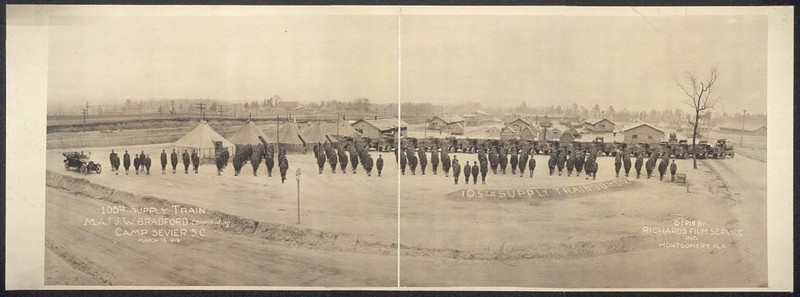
[85, 114]
[741, 140]
[140, 110]
[337, 123]
[201, 107]
[220, 111]
[277, 131]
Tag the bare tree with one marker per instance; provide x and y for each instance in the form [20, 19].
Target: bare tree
[698, 93]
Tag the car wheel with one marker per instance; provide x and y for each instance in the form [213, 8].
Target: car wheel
[84, 170]
[98, 170]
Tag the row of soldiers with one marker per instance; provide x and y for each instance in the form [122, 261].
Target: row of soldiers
[142, 162]
[337, 153]
[499, 159]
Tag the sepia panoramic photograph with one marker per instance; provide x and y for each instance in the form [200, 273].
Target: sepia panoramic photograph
[406, 147]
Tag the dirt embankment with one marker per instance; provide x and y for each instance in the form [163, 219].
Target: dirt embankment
[331, 241]
[305, 237]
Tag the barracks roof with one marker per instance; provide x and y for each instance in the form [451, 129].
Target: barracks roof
[594, 121]
[641, 124]
[450, 119]
[384, 124]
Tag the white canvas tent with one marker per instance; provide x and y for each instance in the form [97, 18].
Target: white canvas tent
[248, 134]
[289, 136]
[314, 135]
[203, 139]
[343, 128]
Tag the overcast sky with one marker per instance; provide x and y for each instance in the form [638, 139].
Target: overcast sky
[628, 61]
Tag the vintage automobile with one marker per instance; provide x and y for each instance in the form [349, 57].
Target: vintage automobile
[80, 161]
[721, 150]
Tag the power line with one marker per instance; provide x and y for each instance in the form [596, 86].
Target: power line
[201, 107]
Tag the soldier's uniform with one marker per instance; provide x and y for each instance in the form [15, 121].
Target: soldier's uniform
[111, 159]
[269, 159]
[174, 159]
[617, 164]
[283, 164]
[195, 161]
[456, 169]
[570, 164]
[320, 162]
[423, 160]
[331, 155]
[136, 163]
[662, 168]
[467, 172]
[638, 166]
[147, 163]
[115, 164]
[514, 162]
[412, 162]
[626, 163]
[551, 163]
[237, 163]
[561, 160]
[163, 162]
[484, 171]
[673, 168]
[651, 164]
[531, 166]
[591, 167]
[403, 162]
[186, 162]
[523, 162]
[379, 164]
[493, 160]
[255, 158]
[445, 163]
[475, 171]
[503, 162]
[579, 160]
[354, 159]
[368, 165]
[220, 162]
[434, 161]
[342, 159]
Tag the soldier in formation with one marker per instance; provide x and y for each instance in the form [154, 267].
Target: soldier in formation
[353, 158]
[403, 162]
[269, 158]
[379, 164]
[283, 165]
[147, 163]
[551, 163]
[484, 170]
[163, 161]
[320, 159]
[341, 153]
[456, 169]
[330, 153]
[561, 161]
[412, 161]
[638, 165]
[174, 161]
[186, 161]
[195, 161]
[220, 162]
[423, 160]
[626, 162]
[591, 166]
[514, 162]
[255, 158]
[445, 163]
[115, 162]
[673, 168]
[570, 163]
[662, 167]
[368, 165]
[523, 162]
[617, 164]
[651, 164]
[111, 159]
[136, 163]
[531, 166]
[434, 161]
[475, 171]
[238, 162]
[579, 161]
[503, 160]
